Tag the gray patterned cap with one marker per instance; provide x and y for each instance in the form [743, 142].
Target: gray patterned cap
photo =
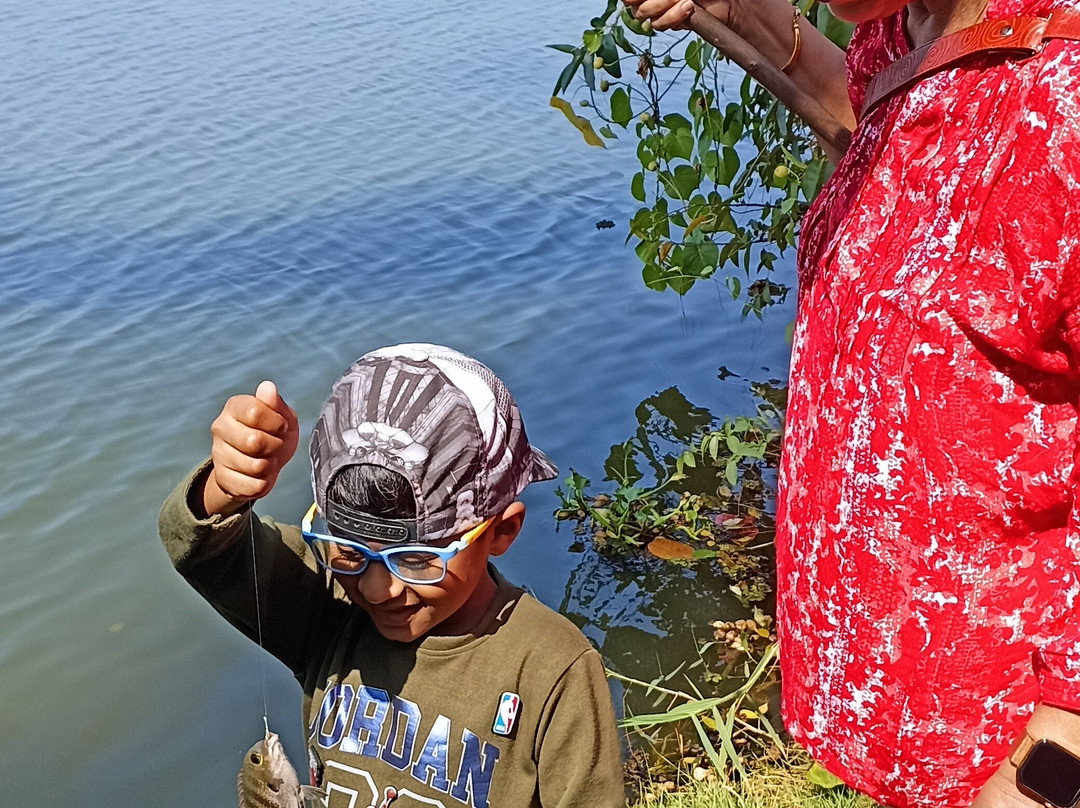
[441, 419]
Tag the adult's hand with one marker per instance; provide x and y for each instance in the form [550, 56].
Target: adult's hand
[1000, 792]
[253, 438]
[1059, 725]
[816, 67]
[664, 14]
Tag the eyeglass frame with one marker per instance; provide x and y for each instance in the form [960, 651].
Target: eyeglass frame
[382, 556]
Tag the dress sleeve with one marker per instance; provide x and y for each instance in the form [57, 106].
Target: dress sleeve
[578, 745]
[214, 555]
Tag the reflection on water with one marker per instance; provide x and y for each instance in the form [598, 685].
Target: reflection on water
[647, 614]
[658, 614]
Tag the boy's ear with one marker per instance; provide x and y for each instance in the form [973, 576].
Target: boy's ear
[506, 529]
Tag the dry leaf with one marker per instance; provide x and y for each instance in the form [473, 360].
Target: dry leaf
[668, 549]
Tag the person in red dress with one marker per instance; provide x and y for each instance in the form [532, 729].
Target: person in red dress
[928, 534]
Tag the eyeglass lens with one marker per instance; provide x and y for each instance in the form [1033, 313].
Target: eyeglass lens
[411, 565]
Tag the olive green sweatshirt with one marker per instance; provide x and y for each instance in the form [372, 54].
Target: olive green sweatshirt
[515, 714]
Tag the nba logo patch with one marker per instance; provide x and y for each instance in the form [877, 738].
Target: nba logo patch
[506, 715]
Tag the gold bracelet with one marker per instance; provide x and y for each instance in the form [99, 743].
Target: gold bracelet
[798, 41]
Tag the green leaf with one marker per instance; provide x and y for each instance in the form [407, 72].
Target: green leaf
[731, 471]
[693, 55]
[647, 250]
[605, 130]
[680, 284]
[653, 276]
[685, 181]
[619, 35]
[637, 187]
[620, 107]
[680, 142]
[820, 776]
[564, 48]
[812, 178]
[610, 56]
[592, 40]
[567, 74]
[700, 259]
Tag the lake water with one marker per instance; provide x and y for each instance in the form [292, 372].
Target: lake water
[196, 196]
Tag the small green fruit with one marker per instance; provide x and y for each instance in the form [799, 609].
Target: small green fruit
[780, 173]
[598, 62]
[584, 102]
[652, 165]
[667, 60]
[646, 27]
[645, 117]
[604, 85]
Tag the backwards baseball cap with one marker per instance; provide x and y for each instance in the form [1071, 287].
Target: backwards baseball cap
[439, 418]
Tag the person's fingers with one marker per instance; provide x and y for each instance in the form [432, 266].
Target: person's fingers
[677, 16]
[252, 413]
[228, 457]
[267, 392]
[240, 486]
[252, 430]
[658, 9]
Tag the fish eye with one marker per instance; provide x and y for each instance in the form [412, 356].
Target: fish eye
[256, 758]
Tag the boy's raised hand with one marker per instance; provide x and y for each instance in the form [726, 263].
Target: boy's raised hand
[253, 438]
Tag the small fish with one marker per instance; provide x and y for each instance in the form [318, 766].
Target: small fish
[268, 780]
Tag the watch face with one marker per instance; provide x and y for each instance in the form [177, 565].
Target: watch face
[1050, 774]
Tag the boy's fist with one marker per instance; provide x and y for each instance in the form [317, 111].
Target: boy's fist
[253, 438]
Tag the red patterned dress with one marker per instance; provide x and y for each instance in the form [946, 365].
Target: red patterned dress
[928, 545]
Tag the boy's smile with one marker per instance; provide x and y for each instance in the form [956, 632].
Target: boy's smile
[405, 612]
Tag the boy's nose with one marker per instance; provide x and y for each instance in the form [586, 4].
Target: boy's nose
[376, 585]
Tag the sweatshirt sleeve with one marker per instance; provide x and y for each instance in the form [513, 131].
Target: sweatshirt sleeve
[227, 559]
[579, 760]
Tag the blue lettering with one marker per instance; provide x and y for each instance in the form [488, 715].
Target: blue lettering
[337, 701]
[474, 773]
[432, 758]
[399, 744]
[372, 704]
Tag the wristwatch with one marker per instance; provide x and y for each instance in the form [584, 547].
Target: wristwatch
[1047, 772]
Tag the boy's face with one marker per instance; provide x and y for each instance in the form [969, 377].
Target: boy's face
[405, 612]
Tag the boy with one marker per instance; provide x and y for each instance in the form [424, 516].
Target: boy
[427, 678]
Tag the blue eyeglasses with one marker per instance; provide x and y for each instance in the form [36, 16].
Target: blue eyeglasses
[413, 563]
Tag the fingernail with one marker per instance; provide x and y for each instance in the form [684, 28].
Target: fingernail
[687, 5]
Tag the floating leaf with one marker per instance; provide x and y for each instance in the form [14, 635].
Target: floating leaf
[668, 549]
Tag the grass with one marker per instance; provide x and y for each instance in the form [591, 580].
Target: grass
[779, 784]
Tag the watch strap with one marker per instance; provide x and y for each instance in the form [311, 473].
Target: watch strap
[1023, 745]
[1020, 748]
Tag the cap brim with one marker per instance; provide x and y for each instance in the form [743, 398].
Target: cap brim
[542, 468]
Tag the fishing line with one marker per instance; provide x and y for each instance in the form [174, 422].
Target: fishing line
[260, 665]
[259, 668]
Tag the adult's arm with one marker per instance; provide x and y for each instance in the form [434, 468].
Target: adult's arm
[766, 25]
